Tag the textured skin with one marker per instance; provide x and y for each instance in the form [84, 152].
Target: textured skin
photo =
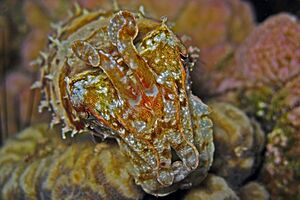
[121, 75]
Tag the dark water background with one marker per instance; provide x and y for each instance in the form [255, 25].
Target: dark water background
[265, 8]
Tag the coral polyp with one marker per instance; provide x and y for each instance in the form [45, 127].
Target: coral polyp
[120, 74]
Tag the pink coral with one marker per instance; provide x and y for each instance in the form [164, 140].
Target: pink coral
[153, 8]
[271, 54]
[217, 27]
[291, 101]
[282, 162]
[21, 102]
[266, 83]
[266, 68]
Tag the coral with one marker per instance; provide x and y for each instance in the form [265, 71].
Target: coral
[211, 23]
[238, 141]
[20, 102]
[281, 162]
[271, 54]
[38, 27]
[266, 63]
[254, 190]
[213, 188]
[38, 164]
[260, 76]
[154, 8]
[216, 27]
[285, 103]
[268, 59]
[40, 16]
[267, 87]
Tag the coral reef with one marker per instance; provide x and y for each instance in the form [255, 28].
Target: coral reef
[217, 28]
[259, 75]
[268, 59]
[271, 55]
[281, 162]
[238, 142]
[266, 86]
[21, 102]
[154, 9]
[38, 164]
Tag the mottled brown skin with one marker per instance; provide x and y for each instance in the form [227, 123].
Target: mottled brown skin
[119, 74]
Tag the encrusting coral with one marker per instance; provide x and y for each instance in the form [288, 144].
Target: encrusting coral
[281, 162]
[271, 55]
[266, 85]
[239, 142]
[217, 28]
[38, 164]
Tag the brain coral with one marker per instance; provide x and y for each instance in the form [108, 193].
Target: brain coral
[271, 54]
[266, 80]
[239, 142]
[217, 27]
[38, 164]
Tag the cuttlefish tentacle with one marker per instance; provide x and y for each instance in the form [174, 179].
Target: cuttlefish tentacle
[122, 31]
